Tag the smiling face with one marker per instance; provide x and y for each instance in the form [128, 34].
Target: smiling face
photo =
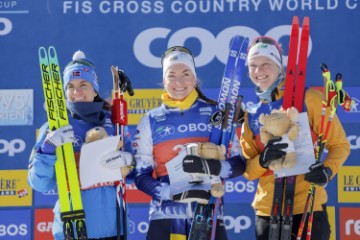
[179, 81]
[80, 90]
[263, 72]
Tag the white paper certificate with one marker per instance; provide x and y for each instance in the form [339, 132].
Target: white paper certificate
[304, 150]
[92, 173]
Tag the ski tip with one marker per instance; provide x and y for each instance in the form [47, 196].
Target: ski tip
[295, 20]
[306, 20]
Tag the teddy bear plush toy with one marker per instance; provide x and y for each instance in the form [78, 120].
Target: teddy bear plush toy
[281, 123]
[98, 133]
[208, 150]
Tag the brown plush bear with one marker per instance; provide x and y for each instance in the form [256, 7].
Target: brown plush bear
[281, 123]
[208, 150]
[98, 133]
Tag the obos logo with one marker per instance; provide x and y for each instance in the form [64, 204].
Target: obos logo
[12, 230]
[12, 147]
[15, 224]
[192, 127]
[237, 224]
[211, 46]
[350, 223]
[239, 186]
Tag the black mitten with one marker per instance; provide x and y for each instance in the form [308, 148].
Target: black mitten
[195, 164]
[272, 151]
[319, 174]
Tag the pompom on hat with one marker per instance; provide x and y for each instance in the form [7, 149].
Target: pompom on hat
[176, 55]
[80, 67]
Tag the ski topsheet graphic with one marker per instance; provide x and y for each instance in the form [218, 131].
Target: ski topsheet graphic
[72, 213]
[281, 224]
[203, 226]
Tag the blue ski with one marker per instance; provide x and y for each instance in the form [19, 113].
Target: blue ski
[204, 223]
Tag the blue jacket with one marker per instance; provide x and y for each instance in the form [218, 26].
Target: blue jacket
[158, 135]
[99, 203]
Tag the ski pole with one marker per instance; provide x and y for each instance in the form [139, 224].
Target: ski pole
[224, 127]
[120, 119]
[344, 99]
[329, 99]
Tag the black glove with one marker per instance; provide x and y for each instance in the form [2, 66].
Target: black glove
[195, 164]
[272, 152]
[319, 174]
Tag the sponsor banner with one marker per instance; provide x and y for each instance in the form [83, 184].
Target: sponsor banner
[349, 184]
[239, 220]
[352, 116]
[138, 221]
[47, 199]
[16, 107]
[12, 146]
[43, 221]
[239, 190]
[14, 190]
[331, 190]
[142, 101]
[353, 135]
[134, 195]
[349, 223]
[15, 224]
[332, 220]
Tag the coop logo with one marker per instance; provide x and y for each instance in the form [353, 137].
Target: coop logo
[239, 186]
[237, 224]
[354, 142]
[141, 227]
[208, 42]
[349, 223]
[12, 147]
[5, 26]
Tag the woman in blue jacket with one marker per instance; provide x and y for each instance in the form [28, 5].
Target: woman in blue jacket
[182, 118]
[86, 110]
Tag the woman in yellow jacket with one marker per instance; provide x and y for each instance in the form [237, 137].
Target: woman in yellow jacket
[266, 72]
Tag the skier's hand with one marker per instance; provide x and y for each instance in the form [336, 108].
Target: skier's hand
[195, 164]
[272, 151]
[116, 159]
[163, 192]
[57, 138]
[319, 174]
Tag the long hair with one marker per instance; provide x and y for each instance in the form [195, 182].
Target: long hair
[107, 105]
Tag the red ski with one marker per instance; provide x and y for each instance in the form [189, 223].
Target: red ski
[293, 96]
